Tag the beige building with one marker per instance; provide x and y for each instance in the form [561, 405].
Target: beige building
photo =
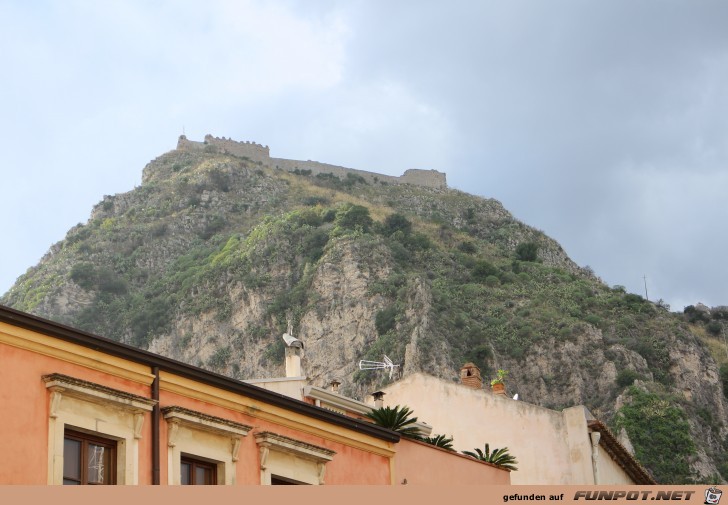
[567, 447]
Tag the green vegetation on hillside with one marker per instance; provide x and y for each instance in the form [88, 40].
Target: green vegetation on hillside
[453, 276]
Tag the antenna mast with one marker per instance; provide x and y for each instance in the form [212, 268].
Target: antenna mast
[387, 364]
[646, 297]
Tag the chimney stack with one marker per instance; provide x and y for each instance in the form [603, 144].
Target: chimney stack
[470, 376]
[378, 399]
[294, 351]
[293, 361]
[335, 386]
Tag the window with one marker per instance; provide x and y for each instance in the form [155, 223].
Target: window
[194, 471]
[202, 449]
[285, 461]
[97, 428]
[88, 459]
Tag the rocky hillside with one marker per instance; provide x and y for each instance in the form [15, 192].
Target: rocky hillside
[214, 254]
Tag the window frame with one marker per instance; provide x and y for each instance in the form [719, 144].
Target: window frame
[85, 439]
[194, 464]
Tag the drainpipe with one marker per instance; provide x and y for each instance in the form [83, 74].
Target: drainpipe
[595, 436]
[155, 427]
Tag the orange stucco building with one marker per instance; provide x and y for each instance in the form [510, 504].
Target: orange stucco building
[81, 409]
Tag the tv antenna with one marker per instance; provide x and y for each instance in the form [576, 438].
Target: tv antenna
[387, 364]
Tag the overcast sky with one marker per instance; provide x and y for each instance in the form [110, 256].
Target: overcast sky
[603, 123]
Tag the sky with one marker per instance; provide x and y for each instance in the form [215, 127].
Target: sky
[602, 123]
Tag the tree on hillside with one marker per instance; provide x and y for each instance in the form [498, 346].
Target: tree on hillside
[527, 251]
[354, 217]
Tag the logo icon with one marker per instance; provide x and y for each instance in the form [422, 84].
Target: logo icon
[712, 496]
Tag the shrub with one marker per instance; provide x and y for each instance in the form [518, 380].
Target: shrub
[352, 179]
[354, 217]
[467, 247]
[220, 358]
[151, 316]
[418, 242]
[594, 320]
[483, 269]
[314, 243]
[400, 253]
[328, 176]
[627, 377]
[492, 281]
[84, 274]
[396, 222]
[719, 313]
[109, 282]
[527, 251]
[714, 328]
[386, 319]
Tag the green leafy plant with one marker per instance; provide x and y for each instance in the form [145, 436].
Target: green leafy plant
[397, 419]
[500, 457]
[500, 378]
[440, 441]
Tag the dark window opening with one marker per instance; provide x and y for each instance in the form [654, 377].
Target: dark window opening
[197, 472]
[277, 480]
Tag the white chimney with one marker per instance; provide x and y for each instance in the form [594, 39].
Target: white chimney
[293, 362]
[294, 350]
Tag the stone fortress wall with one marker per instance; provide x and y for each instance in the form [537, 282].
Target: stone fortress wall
[258, 153]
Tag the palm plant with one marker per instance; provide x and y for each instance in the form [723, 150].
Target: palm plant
[398, 419]
[498, 457]
[440, 441]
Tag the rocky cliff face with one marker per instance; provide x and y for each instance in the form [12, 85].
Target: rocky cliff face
[214, 255]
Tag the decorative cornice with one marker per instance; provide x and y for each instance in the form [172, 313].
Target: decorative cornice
[288, 445]
[65, 385]
[205, 422]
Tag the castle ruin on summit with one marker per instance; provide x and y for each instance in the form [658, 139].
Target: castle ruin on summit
[259, 153]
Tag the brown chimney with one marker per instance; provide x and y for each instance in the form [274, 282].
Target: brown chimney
[335, 386]
[470, 376]
[378, 399]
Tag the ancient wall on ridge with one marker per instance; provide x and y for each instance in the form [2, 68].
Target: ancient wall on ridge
[259, 153]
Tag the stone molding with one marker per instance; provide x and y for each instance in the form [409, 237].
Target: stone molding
[61, 385]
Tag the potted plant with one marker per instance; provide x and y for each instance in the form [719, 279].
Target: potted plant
[498, 385]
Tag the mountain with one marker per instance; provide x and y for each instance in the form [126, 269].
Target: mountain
[222, 247]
